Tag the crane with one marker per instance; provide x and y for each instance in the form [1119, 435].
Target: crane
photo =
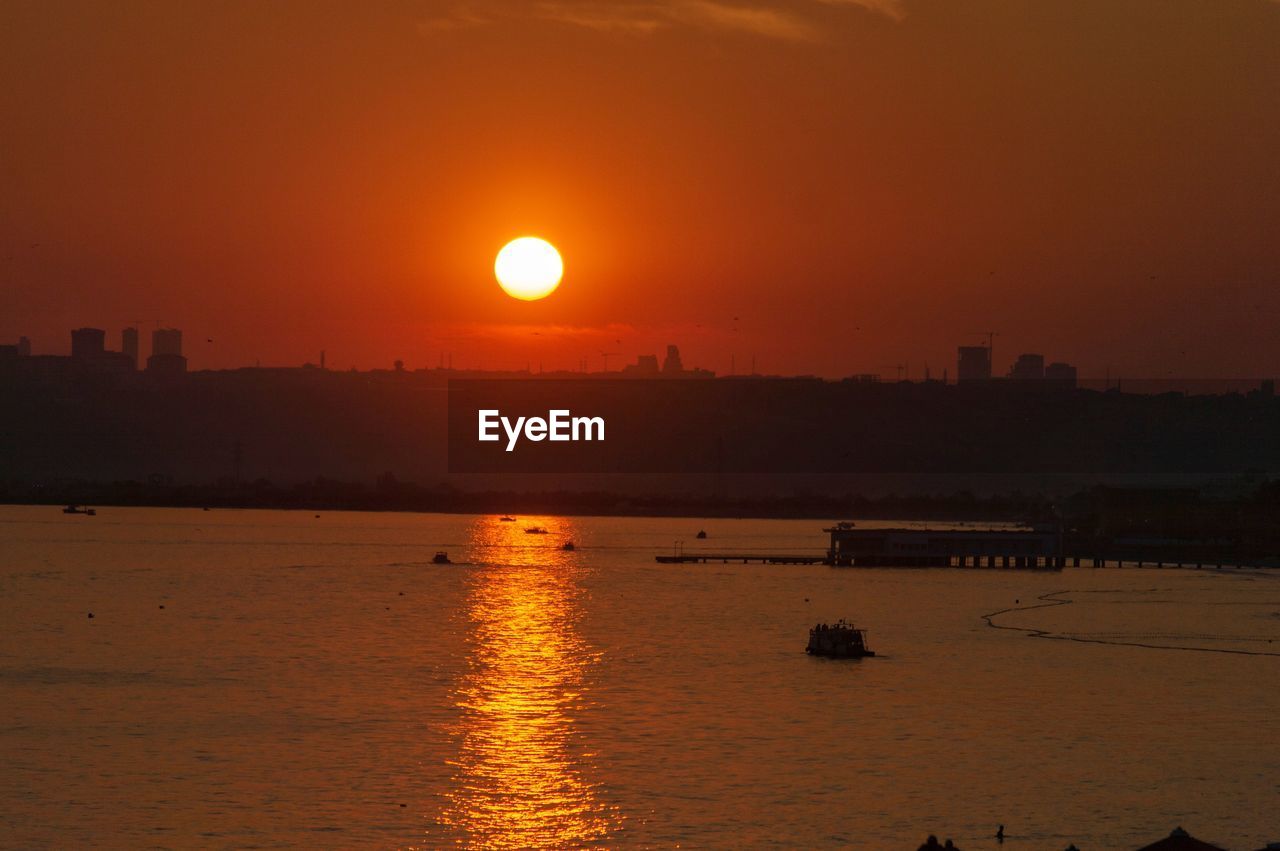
[606, 356]
[991, 345]
[901, 368]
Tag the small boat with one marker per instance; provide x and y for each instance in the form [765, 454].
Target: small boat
[840, 640]
[75, 509]
[702, 534]
[441, 557]
[568, 546]
[506, 519]
[535, 530]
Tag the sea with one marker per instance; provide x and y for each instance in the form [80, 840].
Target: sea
[186, 678]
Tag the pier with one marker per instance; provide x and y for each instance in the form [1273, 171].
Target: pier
[1009, 549]
[742, 558]
[1026, 548]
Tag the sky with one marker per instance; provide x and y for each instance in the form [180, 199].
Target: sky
[823, 186]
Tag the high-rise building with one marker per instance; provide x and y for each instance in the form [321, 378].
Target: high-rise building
[672, 365]
[166, 341]
[129, 344]
[975, 364]
[1028, 367]
[166, 352]
[89, 353]
[88, 343]
[645, 365]
[1063, 374]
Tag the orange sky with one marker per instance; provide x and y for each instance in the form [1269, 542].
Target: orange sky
[860, 182]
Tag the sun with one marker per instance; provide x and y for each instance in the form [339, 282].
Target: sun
[528, 268]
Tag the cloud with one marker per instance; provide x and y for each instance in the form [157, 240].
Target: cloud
[648, 18]
[634, 19]
[770, 20]
[459, 17]
[594, 335]
[889, 8]
[757, 20]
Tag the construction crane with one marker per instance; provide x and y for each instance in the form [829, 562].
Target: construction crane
[606, 356]
[991, 345]
[901, 368]
[138, 323]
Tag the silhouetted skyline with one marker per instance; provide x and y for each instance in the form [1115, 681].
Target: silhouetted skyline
[973, 363]
[828, 187]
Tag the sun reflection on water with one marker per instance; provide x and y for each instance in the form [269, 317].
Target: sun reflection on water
[521, 778]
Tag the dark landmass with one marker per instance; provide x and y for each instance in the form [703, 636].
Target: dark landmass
[1170, 524]
[294, 427]
[390, 494]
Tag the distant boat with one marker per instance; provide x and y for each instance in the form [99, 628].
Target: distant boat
[702, 533]
[840, 640]
[441, 557]
[568, 546]
[535, 530]
[75, 509]
[507, 519]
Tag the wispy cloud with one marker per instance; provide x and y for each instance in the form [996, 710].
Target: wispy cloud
[889, 8]
[772, 20]
[632, 18]
[757, 20]
[456, 18]
[648, 18]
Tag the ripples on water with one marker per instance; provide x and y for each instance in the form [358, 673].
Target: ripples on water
[522, 778]
[274, 679]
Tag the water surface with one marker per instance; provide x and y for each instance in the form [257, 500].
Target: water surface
[276, 679]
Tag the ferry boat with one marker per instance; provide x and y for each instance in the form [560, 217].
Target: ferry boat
[841, 640]
[535, 530]
[506, 518]
[568, 546]
[75, 509]
[441, 557]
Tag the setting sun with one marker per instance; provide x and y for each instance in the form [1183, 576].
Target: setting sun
[528, 268]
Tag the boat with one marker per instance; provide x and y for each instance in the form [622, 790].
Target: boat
[441, 557]
[506, 519]
[75, 509]
[841, 640]
[535, 530]
[568, 546]
[702, 534]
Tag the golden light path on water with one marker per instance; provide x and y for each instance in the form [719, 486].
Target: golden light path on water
[519, 775]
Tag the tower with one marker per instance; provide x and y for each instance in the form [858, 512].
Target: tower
[129, 344]
[166, 352]
[975, 364]
[88, 343]
[673, 365]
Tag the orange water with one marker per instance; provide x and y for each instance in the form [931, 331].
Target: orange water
[318, 682]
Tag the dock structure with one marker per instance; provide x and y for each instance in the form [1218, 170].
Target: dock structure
[1016, 549]
[741, 558]
[1024, 548]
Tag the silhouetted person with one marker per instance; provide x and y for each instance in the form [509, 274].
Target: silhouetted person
[1000, 833]
[930, 844]
[949, 845]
